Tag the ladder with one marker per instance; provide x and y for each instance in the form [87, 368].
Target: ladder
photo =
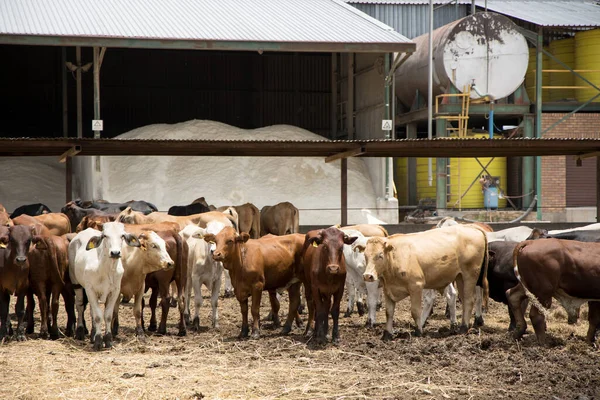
[462, 118]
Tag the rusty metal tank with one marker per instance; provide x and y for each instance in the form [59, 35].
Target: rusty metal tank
[485, 48]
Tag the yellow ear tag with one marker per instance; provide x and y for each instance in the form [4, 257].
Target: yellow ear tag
[2, 246]
[91, 245]
[315, 244]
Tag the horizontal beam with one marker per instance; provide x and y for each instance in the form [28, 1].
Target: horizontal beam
[320, 47]
[70, 153]
[455, 109]
[350, 153]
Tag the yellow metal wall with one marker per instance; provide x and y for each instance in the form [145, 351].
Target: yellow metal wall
[530, 75]
[587, 56]
[564, 50]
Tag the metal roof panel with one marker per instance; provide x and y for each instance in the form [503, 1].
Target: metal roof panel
[549, 13]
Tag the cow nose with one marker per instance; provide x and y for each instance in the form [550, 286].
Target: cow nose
[217, 256]
[170, 264]
[333, 268]
[115, 254]
[20, 259]
[368, 278]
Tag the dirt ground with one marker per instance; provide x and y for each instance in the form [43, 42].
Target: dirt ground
[214, 364]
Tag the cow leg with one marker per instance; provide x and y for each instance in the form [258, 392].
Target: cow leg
[53, 329]
[153, 303]
[171, 295]
[372, 300]
[80, 331]
[4, 303]
[20, 311]
[30, 311]
[594, 321]
[466, 289]
[164, 305]
[539, 323]
[137, 314]
[390, 306]
[516, 296]
[69, 300]
[302, 305]
[428, 300]
[311, 311]
[214, 302]
[335, 315]
[110, 307]
[181, 295]
[115, 318]
[275, 306]
[450, 294]
[43, 303]
[294, 301]
[244, 310]
[322, 308]
[198, 300]
[96, 311]
[351, 288]
[256, 296]
[478, 307]
[416, 308]
[188, 299]
[228, 286]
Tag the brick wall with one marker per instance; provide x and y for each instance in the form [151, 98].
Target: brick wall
[554, 168]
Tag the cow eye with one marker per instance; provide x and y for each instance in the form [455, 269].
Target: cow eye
[229, 242]
[153, 246]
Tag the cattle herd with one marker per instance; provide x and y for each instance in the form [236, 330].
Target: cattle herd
[97, 253]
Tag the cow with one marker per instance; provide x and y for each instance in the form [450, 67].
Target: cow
[48, 279]
[590, 236]
[14, 276]
[202, 270]
[30, 209]
[2, 209]
[114, 208]
[450, 221]
[324, 269]
[268, 263]
[129, 216]
[248, 219]
[280, 219]
[590, 227]
[76, 213]
[190, 209]
[369, 230]
[407, 264]
[553, 268]
[355, 284]
[149, 257]
[515, 234]
[95, 221]
[95, 265]
[5, 219]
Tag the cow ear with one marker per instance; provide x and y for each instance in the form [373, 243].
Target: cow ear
[3, 242]
[132, 240]
[491, 254]
[199, 234]
[314, 241]
[349, 239]
[39, 243]
[359, 248]
[388, 246]
[94, 242]
[242, 237]
[210, 238]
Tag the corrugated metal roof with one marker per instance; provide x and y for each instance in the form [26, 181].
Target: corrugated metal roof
[549, 13]
[407, 2]
[270, 21]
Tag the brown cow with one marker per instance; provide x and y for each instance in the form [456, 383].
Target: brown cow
[255, 265]
[159, 281]
[248, 219]
[95, 221]
[280, 219]
[57, 223]
[553, 268]
[324, 268]
[14, 276]
[48, 275]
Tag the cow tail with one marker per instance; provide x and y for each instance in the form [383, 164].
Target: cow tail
[482, 281]
[385, 232]
[256, 222]
[534, 301]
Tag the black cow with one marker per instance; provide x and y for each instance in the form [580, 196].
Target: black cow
[190, 209]
[141, 206]
[501, 274]
[77, 213]
[30, 209]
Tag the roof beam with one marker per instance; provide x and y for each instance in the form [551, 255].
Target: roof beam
[322, 47]
[70, 153]
[350, 153]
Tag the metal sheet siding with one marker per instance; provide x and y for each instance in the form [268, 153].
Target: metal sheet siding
[329, 21]
[412, 20]
[548, 13]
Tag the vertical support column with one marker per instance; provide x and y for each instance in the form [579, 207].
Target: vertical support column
[344, 184]
[79, 102]
[350, 100]
[411, 133]
[98, 56]
[528, 162]
[388, 115]
[538, 118]
[597, 189]
[65, 124]
[441, 181]
[334, 96]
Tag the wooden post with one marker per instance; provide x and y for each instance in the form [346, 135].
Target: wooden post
[345, 191]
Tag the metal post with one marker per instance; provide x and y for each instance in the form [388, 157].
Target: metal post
[333, 96]
[344, 184]
[441, 180]
[538, 118]
[411, 133]
[387, 112]
[65, 124]
[350, 100]
[491, 120]
[430, 90]
[78, 78]
[527, 176]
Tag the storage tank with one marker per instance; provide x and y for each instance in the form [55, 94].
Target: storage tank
[530, 75]
[483, 47]
[587, 57]
[564, 50]
[461, 173]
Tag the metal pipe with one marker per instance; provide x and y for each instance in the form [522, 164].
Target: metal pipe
[344, 194]
[538, 118]
[430, 91]
[386, 96]
[491, 120]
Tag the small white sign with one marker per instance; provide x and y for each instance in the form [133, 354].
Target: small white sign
[97, 124]
[386, 124]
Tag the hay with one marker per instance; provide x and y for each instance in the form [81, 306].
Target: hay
[216, 365]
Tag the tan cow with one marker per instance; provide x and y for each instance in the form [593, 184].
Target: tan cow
[407, 264]
[248, 219]
[368, 230]
[128, 216]
[5, 219]
[280, 219]
[57, 223]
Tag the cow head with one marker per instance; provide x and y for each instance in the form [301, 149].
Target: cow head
[330, 241]
[355, 251]
[128, 216]
[375, 254]
[226, 242]
[20, 240]
[156, 256]
[111, 239]
[538, 233]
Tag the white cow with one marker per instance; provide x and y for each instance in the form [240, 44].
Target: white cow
[356, 285]
[95, 265]
[516, 234]
[202, 270]
[590, 227]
